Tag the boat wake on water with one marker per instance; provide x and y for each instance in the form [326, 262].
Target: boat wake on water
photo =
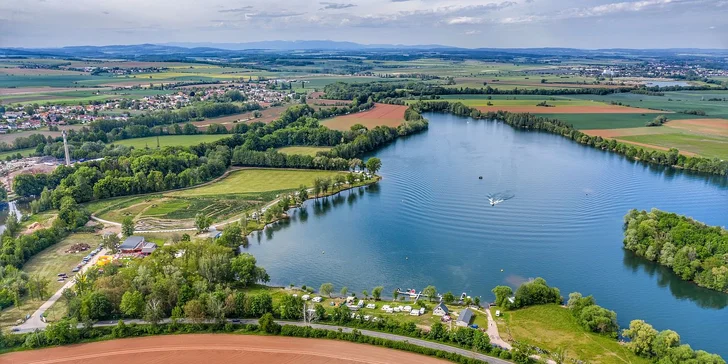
[498, 197]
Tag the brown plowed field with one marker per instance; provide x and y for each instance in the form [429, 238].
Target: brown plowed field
[703, 126]
[596, 109]
[217, 348]
[380, 114]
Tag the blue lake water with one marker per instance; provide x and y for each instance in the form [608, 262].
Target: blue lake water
[429, 222]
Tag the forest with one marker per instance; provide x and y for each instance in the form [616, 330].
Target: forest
[694, 251]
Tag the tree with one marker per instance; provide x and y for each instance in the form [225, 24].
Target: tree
[355, 163]
[327, 289]
[373, 165]
[132, 304]
[377, 292]
[291, 308]
[448, 297]
[268, 324]
[3, 193]
[344, 291]
[111, 243]
[395, 294]
[302, 194]
[430, 292]
[232, 236]
[365, 294]
[95, 305]
[153, 312]
[202, 222]
[502, 293]
[127, 226]
[340, 180]
[194, 311]
[642, 337]
[245, 270]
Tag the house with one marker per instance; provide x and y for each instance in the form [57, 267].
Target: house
[132, 244]
[440, 310]
[148, 248]
[464, 318]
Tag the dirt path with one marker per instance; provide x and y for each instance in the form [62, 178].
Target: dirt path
[493, 331]
[210, 348]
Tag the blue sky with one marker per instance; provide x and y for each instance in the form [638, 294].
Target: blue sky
[466, 23]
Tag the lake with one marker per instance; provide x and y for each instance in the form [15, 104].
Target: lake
[429, 222]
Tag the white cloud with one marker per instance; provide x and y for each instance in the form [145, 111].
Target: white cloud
[472, 32]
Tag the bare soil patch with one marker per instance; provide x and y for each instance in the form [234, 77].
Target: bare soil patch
[217, 348]
[596, 109]
[380, 114]
[703, 126]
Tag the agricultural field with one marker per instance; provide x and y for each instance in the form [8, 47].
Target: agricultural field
[380, 114]
[612, 121]
[554, 106]
[552, 327]
[267, 115]
[672, 101]
[703, 137]
[74, 97]
[303, 150]
[170, 140]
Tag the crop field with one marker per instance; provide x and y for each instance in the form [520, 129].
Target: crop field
[258, 180]
[303, 150]
[267, 115]
[672, 101]
[380, 114]
[704, 137]
[170, 140]
[552, 327]
[612, 121]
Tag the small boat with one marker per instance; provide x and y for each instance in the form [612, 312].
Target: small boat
[480, 177]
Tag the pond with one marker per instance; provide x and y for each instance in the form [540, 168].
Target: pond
[429, 221]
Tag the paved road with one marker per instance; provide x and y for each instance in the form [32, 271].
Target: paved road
[34, 322]
[377, 334]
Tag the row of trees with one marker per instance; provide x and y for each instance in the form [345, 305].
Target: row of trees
[664, 346]
[555, 126]
[592, 316]
[694, 251]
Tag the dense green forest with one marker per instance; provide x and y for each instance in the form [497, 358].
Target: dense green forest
[694, 251]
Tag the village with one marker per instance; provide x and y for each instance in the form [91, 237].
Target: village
[122, 104]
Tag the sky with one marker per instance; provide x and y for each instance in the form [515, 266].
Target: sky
[464, 23]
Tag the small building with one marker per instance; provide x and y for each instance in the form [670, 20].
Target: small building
[464, 318]
[414, 313]
[148, 248]
[132, 244]
[440, 310]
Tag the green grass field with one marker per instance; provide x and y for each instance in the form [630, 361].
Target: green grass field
[171, 140]
[552, 327]
[524, 102]
[47, 264]
[258, 180]
[675, 101]
[612, 121]
[703, 145]
[303, 150]
[23, 152]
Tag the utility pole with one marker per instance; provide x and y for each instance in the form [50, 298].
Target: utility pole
[65, 148]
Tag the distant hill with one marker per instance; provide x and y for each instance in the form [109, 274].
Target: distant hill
[282, 45]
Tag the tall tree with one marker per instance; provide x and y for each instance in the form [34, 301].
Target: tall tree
[127, 226]
[373, 165]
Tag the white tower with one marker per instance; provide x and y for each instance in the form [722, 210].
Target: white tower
[65, 148]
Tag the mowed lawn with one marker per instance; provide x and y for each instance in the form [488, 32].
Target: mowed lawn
[259, 180]
[171, 140]
[303, 150]
[551, 327]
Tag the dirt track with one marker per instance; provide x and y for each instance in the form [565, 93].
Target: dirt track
[596, 109]
[217, 348]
